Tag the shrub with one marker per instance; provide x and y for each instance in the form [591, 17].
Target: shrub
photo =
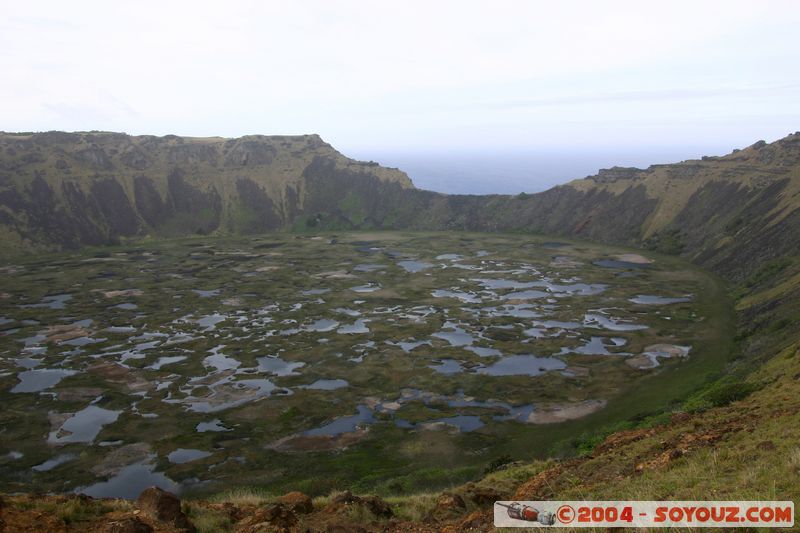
[498, 463]
[720, 393]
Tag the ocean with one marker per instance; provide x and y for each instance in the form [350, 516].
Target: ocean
[520, 171]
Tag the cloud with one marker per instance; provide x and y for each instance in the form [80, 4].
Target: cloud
[361, 71]
[623, 97]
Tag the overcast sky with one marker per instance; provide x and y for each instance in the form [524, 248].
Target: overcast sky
[408, 76]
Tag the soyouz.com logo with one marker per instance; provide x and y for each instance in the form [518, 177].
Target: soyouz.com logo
[644, 514]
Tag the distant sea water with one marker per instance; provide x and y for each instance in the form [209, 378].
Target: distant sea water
[516, 172]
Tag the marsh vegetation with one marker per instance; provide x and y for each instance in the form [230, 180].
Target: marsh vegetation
[390, 361]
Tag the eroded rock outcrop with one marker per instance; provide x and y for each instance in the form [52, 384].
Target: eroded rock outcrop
[164, 506]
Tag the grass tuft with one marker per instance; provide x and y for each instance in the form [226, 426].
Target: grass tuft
[245, 496]
[207, 520]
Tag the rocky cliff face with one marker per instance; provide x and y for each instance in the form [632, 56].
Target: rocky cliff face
[730, 214]
[62, 190]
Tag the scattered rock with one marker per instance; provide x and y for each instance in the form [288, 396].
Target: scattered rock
[297, 502]
[377, 506]
[130, 524]
[164, 506]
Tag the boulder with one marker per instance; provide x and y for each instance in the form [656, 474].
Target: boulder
[165, 507]
[297, 502]
[377, 506]
[280, 515]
